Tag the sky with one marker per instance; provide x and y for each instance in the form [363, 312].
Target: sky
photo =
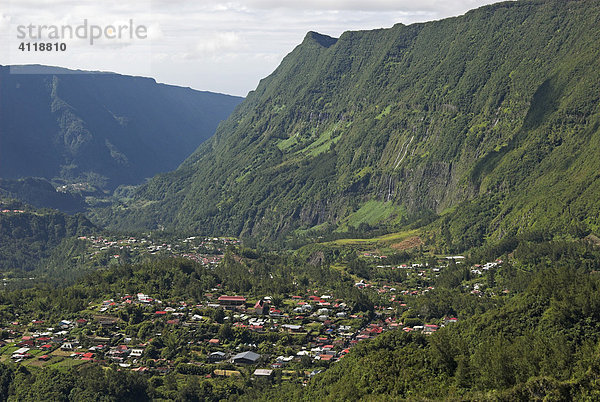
[219, 46]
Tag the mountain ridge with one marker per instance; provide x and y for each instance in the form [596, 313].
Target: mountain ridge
[109, 129]
[453, 115]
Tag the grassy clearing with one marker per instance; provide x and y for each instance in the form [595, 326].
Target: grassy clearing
[384, 113]
[321, 144]
[324, 146]
[312, 229]
[61, 353]
[380, 241]
[288, 143]
[67, 363]
[35, 362]
[372, 213]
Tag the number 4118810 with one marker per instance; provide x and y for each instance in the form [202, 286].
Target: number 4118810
[43, 47]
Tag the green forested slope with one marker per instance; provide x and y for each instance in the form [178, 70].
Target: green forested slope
[101, 128]
[497, 108]
[30, 236]
[40, 193]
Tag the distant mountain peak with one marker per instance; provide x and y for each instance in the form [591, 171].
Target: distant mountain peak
[323, 40]
[42, 69]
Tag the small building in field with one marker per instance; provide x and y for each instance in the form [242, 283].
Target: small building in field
[216, 356]
[227, 373]
[136, 352]
[264, 373]
[232, 302]
[245, 358]
[261, 308]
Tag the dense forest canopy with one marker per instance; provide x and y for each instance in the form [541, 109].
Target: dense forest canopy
[418, 215]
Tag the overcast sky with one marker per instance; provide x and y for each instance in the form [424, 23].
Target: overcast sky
[221, 46]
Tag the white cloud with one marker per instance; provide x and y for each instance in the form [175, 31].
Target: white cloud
[5, 21]
[362, 5]
[219, 42]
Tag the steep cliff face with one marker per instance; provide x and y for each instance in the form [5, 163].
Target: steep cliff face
[498, 108]
[103, 128]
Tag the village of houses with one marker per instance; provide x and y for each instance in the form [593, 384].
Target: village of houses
[225, 335]
[108, 250]
[204, 250]
[323, 324]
